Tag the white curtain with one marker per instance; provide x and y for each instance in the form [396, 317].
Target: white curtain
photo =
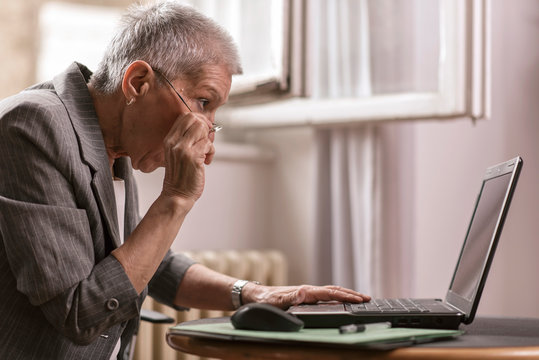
[347, 191]
[347, 208]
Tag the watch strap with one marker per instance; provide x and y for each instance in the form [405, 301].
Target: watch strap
[236, 292]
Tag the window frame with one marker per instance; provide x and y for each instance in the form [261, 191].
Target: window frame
[462, 90]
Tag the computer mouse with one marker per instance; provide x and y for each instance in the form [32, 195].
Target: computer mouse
[265, 317]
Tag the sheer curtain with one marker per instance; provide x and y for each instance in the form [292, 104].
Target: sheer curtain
[347, 208]
[348, 182]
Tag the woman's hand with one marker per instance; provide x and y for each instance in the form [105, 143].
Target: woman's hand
[286, 296]
[188, 146]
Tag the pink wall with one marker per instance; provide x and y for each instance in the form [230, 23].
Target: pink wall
[451, 156]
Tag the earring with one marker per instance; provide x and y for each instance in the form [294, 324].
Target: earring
[132, 100]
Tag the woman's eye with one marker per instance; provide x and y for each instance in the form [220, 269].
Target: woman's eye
[203, 103]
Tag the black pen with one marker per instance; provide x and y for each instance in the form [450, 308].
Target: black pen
[356, 328]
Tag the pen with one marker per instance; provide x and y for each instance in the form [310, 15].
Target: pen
[356, 328]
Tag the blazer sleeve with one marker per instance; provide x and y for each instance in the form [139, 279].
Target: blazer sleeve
[47, 237]
[164, 284]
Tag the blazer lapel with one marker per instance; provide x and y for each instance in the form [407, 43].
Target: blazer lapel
[73, 91]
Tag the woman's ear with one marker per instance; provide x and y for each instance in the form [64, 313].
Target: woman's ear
[137, 81]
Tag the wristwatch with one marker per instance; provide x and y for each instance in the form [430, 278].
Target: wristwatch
[236, 292]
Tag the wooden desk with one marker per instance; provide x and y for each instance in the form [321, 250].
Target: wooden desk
[486, 338]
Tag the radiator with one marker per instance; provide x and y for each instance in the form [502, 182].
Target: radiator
[269, 267]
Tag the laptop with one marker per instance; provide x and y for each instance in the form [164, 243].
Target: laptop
[468, 280]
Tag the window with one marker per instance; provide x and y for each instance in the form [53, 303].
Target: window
[257, 26]
[403, 59]
[334, 61]
[69, 33]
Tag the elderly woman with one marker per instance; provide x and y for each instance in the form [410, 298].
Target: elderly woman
[76, 261]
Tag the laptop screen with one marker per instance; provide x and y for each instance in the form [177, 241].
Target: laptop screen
[480, 236]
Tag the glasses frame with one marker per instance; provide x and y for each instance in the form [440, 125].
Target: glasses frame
[173, 88]
[214, 127]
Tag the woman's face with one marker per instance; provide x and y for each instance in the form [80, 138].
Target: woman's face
[146, 127]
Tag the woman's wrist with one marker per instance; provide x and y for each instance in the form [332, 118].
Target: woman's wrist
[252, 292]
[174, 205]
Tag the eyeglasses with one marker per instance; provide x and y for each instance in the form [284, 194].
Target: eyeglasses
[214, 128]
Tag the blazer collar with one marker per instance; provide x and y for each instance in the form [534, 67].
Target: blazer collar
[71, 87]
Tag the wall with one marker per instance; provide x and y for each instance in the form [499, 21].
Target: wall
[20, 40]
[292, 206]
[233, 212]
[18, 45]
[449, 158]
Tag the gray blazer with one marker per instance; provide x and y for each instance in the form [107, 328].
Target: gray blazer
[63, 296]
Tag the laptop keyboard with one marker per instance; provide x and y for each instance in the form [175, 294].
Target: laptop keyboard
[389, 305]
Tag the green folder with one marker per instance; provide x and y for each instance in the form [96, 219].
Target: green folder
[388, 338]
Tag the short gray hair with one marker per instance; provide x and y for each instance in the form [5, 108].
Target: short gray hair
[173, 38]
